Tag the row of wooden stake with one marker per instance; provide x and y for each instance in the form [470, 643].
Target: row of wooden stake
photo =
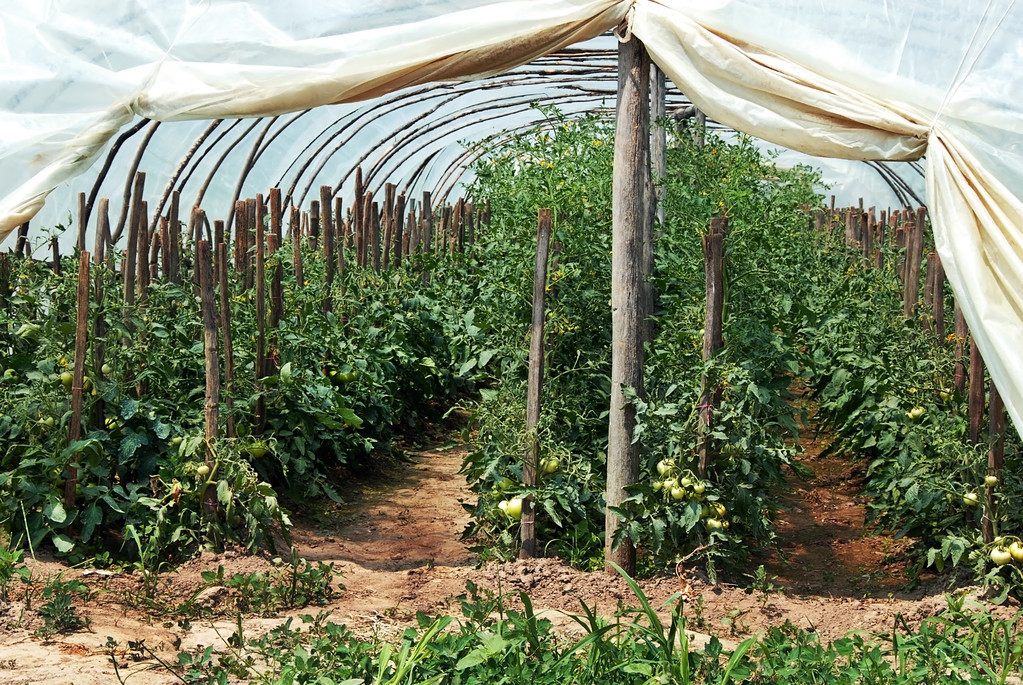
[864, 230]
[380, 237]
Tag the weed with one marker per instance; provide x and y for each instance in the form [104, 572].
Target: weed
[59, 613]
[297, 583]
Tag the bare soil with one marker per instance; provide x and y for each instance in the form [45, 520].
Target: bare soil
[397, 542]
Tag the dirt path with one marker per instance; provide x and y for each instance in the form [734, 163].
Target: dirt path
[397, 543]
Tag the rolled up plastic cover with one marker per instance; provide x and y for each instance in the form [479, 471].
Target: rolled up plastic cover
[861, 79]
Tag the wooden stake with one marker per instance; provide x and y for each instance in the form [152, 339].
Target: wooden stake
[296, 247]
[713, 260]
[78, 376]
[374, 226]
[276, 283]
[211, 412]
[83, 219]
[995, 462]
[658, 141]
[225, 324]
[938, 298]
[399, 230]
[174, 252]
[527, 529]
[960, 349]
[259, 419]
[976, 395]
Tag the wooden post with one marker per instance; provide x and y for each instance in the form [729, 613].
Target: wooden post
[143, 256]
[630, 213]
[374, 229]
[78, 376]
[340, 235]
[658, 141]
[527, 529]
[83, 219]
[357, 221]
[211, 410]
[976, 393]
[241, 220]
[55, 246]
[867, 235]
[388, 221]
[995, 461]
[22, 244]
[426, 217]
[938, 298]
[276, 282]
[329, 265]
[365, 228]
[960, 349]
[914, 257]
[713, 260]
[296, 247]
[100, 327]
[259, 418]
[276, 214]
[174, 246]
[225, 324]
[128, 268]
[399, 229]
[314, 224]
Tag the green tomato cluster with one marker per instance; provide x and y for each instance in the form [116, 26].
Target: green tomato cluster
[1002, 554]
[683, 486]
[512, 508]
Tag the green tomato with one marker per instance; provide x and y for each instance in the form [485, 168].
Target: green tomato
[677, 493]
[971, 499]
[203, 470]
[712, 524]
[664, 466]
[513, 508]
[699, 487]
[106, 369]
[1016, 550]
[991, 480]
[1001, 556]
[552, 465]
[658, 485]
[67, 378]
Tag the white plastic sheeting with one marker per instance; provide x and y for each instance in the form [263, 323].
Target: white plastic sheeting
[861, 79]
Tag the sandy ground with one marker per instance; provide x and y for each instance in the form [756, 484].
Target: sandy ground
[397, 543]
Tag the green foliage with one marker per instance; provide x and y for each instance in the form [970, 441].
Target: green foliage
[565, 165]
[290, 585]
[341, 386]
[58, 611]
[494, 642]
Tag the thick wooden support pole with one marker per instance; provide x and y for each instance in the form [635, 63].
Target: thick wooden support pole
[630, 214]
[527, 529]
